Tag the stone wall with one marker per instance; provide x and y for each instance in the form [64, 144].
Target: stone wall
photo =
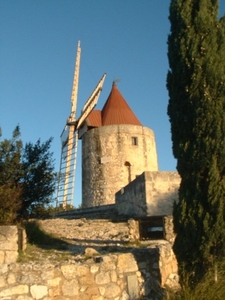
[150, 194]
[106, 262]
[110, 160]
[101, 233]
[12, 239]
[118, 276]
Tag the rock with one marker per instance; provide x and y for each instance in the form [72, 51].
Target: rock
[15, 290]
[38, 291]
[126, 263]
[90, 252]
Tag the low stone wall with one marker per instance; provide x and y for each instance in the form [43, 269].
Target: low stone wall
[134, 274]
[12, 239]
[101, 265]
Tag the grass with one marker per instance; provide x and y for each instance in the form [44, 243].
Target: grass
[207, 289]
[41, 245]
[136, 244]
[36, 235]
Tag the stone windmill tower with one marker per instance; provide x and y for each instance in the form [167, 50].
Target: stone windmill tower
[116, 148]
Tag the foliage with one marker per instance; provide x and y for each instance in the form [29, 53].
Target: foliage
[27, 178]
[39, 178]
[207, 288]
[10, 175]
[196, 85]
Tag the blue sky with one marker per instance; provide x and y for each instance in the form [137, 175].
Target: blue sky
[125, 39]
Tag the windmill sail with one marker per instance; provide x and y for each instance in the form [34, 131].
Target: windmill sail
[91, 102]
[69, 139]
[67, 172]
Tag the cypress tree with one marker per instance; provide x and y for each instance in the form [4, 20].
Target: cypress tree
[196, 109]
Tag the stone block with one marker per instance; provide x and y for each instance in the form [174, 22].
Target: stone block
[54, 281]
[2, 282]
[102, 290]
[9, 238]
[86, 280]
[94, 268]
[8, 232]
[11, 279]
[132, 284]
[112, 290]
[11, 256]
[90, 252]
[53, 292]
[82, 270]
[69, 271]
[113, 276]
[70, 288]
[15, 290]
[46, 275]
[3, 268]
[102, 278]
[108, 264]
[2, 257]
[38, 291]
[126, 263]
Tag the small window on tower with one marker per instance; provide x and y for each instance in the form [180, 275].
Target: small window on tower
[134, 140]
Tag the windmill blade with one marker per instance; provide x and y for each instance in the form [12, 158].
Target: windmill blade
[91, 102]
[75, 85]
[67, 172]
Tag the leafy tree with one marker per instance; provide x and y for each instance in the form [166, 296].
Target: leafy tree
[27, 178]
[196, 85]
[10, 175]
[39, 177]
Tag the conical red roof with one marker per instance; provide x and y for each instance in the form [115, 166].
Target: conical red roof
[117, 111]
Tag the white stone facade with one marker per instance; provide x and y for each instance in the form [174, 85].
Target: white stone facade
[112, 156]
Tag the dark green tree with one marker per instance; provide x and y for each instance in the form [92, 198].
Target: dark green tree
[39, 177]
[196, 109]
[27, 178]
[11, 172]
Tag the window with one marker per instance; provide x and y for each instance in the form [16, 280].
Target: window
[134, 140]
[151, 228]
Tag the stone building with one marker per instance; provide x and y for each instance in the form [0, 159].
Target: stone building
[116, 150]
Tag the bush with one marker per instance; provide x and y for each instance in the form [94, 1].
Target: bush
[211, 287]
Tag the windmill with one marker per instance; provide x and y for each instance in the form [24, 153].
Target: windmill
[69, 138]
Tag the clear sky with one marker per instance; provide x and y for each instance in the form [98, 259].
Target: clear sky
[127, 39]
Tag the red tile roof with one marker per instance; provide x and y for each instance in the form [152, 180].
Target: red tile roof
[115, 111]
[94, 119]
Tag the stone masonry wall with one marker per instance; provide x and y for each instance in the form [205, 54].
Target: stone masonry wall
[161, 191]
[12, 239]
[120, 276]
[102, 266]
[150, 194]
[110, 160]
